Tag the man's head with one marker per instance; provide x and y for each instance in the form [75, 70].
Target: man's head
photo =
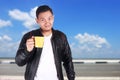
[43, 8]
[44, 17]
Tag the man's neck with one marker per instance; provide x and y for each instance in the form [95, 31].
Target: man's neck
[47, 33]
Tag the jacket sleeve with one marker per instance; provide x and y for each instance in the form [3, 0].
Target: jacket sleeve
[22, 55]
[67, 60]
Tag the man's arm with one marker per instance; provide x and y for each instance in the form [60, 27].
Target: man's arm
[22, 55]
[67, 61]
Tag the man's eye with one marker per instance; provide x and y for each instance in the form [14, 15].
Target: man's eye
[50, 18]
[42, 20]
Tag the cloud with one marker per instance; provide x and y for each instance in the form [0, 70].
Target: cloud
[28, 18]
[4, 23]
[90, 46]
[94, 40]
[5, 38]
[7, 46]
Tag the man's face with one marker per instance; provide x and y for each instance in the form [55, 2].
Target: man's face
[45, 20]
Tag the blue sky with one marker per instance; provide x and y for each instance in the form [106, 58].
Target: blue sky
[92, 26]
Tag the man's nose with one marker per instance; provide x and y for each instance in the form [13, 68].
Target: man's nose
[47, 22]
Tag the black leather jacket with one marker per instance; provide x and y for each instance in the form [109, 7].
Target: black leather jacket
[61, 51]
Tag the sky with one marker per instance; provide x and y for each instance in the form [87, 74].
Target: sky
[92, 27]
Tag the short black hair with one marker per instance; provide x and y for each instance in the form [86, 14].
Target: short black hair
[43, 8]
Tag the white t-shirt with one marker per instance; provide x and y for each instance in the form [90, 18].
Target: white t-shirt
[46, 68]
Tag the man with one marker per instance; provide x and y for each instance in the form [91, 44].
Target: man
[44, 63]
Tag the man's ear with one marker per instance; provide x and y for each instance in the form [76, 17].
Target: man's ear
[36, 20]
[53, 18]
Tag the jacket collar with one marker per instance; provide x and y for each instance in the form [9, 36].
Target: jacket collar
[53, 33]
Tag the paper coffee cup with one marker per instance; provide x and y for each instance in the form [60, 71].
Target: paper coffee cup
[39, 41]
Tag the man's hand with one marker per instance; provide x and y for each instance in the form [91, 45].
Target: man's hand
[30, 43]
